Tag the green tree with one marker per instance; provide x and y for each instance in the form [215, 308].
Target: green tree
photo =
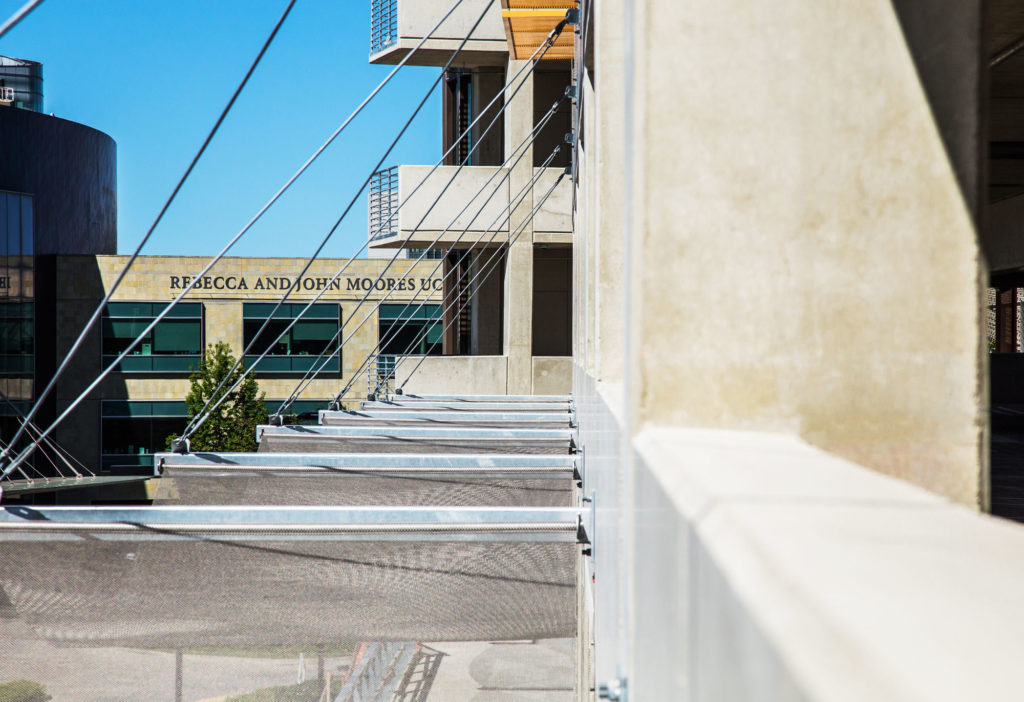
[232, 426]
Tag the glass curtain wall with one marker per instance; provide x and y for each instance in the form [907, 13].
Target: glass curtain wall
[313, 339]
[17, 311]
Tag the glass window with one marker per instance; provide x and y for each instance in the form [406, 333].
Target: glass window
[13, 242]
[313, 339]
[132, 431]
[173, 345]
[410, 329]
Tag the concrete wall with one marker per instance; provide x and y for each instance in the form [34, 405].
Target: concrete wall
[552, 375]
[807, 264]
[465, 213]
[83, 280]
[454, 375]
[776, 572]
[777, 312]
[416, 18]
[554, 217]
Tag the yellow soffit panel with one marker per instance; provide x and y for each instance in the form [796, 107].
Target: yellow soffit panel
[528, 24]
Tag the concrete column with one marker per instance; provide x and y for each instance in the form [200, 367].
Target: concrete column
[519, 261]
[606, 122]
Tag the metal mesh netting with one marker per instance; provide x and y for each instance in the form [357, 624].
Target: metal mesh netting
[98, 617]
[350, 419]
[260, 487]
[207, 591]
[526, 671]
[325, 439]
[399, 575]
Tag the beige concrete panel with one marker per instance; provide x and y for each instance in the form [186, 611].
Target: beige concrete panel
[468, 375]
[552, 375]
[224, 324]
[456, 189]
[562, 238]
[161, 278]
[605, 125]
[555, 215]
[808, 264]
[138, 387]
[835, 583]
[416, 18]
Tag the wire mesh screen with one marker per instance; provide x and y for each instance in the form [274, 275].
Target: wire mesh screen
[325, 439]
[383, 24]
[334, 487]
[383, 204]
[115, 618]
[477, 420]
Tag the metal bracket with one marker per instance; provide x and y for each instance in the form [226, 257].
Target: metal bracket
[571, 92]
[588, 516]
[277, 420]
[614, 690]
[399, 391]
[581, 532]
[371, 397]
[572, 16]
[570, 138]
[180, 445]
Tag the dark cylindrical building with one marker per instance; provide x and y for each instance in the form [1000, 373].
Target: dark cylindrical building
[58, 195]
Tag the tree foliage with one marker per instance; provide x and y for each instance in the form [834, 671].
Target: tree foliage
[232, 426]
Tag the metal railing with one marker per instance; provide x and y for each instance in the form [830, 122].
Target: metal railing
[383, 24]
[383, 202]
[380, 375]
[379, 669]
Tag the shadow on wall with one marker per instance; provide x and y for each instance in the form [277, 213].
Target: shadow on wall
[951, 61]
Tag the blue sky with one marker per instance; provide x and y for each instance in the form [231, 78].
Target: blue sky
[154, 74]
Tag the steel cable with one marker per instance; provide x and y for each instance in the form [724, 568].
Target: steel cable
[514, 202]
[28, 451]
[216, 397]
[21, 13]
[528, 141]
[492, 262]
[208, 408]
[163, 210]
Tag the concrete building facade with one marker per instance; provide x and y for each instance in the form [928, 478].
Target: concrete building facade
[495, 200]
[130, 415]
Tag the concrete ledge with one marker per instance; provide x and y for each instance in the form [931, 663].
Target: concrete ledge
[415, 19]
[778, 572]
[445, 194]
[464, 375]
